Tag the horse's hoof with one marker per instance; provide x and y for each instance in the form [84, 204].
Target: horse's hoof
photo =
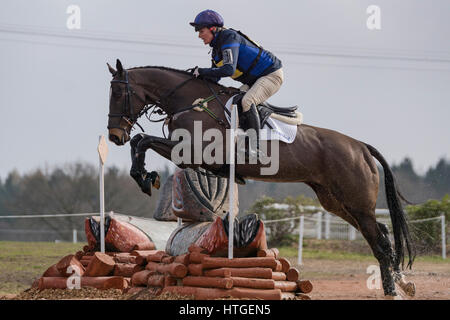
[147, 185]
[156, 180]
[408, 288]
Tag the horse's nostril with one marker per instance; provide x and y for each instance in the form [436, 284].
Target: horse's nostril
[114, 138]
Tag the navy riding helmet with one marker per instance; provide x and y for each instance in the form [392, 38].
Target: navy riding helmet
[207, 18]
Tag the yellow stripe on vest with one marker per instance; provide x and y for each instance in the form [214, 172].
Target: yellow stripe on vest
[236, 73]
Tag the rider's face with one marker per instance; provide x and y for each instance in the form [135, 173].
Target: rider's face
[206, 35]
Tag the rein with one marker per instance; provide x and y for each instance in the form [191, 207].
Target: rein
[132, 118]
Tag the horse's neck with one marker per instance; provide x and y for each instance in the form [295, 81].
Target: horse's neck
[188, 93]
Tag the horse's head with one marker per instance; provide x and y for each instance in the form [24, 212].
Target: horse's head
[126, 101]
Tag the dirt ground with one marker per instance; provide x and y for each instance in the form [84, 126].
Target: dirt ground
[334, 277]
[347, 280]
[332, 280]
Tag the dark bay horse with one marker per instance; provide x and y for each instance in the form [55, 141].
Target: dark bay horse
[341, 170]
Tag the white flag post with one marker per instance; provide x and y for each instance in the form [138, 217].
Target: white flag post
[232, 144]
[102, 153]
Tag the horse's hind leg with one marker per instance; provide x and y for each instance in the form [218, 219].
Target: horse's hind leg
[407, 287]
[370, 229]
[379, 242]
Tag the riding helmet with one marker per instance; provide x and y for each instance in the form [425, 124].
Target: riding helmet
[207, 18]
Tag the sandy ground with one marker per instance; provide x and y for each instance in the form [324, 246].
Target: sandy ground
[332, 280]
[347, 280]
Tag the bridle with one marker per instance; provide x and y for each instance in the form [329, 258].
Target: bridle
[131, 118]
[127, 113]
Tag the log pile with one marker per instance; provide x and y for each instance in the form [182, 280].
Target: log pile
[196, 274]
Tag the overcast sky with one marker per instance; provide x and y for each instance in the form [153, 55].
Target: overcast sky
[387, 87]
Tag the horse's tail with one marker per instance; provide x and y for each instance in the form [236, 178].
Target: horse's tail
[398, 217]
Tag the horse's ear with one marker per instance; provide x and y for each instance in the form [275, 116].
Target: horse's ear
[111, 69]
[119, 66]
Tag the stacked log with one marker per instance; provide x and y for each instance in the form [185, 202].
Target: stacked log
[262, 277]
[196, 274]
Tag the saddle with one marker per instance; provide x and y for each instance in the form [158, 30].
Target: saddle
[265, 109]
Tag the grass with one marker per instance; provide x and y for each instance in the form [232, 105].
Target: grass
[327, 254]
[22, 262]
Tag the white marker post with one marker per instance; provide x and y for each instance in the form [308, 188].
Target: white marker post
[102, 153]
[232, 144]
[300, 239]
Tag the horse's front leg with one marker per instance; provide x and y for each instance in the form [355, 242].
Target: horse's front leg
[139, 145]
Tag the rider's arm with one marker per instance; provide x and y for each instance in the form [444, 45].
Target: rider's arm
[230, 54]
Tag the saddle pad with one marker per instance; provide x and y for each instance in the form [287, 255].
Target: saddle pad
[281, 130]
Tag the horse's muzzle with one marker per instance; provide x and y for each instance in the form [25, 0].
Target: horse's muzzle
[119, 141]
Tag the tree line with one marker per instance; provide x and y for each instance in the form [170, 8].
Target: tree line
[74, 188]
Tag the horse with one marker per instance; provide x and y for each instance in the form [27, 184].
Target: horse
[341, 170]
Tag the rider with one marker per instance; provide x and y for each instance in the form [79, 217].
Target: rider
[237, 56]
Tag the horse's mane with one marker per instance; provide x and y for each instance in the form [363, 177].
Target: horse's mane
[178, 71]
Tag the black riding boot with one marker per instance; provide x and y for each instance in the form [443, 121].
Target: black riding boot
[252, 121]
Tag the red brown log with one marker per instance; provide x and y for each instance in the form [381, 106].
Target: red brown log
[276, 252]
[156, 257]
[168, 259]
[183, 259]
[210, 262]
[279, 276]
[70, 261]
[176, 270]
[156, 280]
[194, 248]
[143, 253]
[197, 257]
[302, 296]
[221, 272]
[293, 274]
[86, 257]
[102, 283]
[208, 282]
[289, 286]
[264, 273]
[278, 266]
[100, 265]
[169, 281]
[254, 283]
[265, 253]
[215, 293]
[304, 286]
[85, 263]
[141, 278]
[195, 269]
[127, 259]
[144, 246]
[126, 269]
[285, 265]
[140, 260]
[52, 271]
